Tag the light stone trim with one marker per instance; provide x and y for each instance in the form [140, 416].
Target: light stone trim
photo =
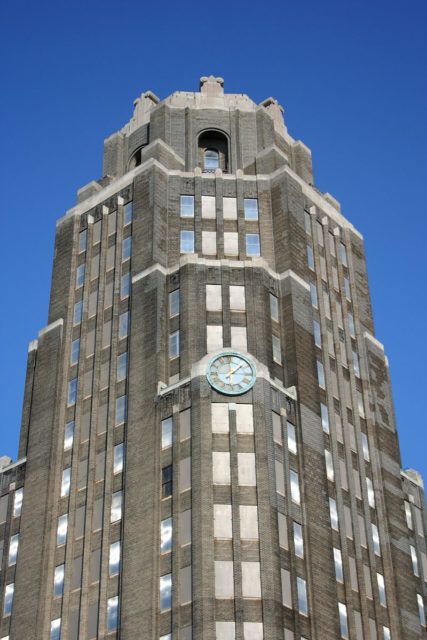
[33, 345]
[413, 476]
[371, 338]
[51, 326]
[18, 463]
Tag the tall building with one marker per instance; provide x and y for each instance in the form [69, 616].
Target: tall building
[208, 447]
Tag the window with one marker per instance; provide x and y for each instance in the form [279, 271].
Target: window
[187, 242]
[408, 514]
[72, 392]
[251, 208]
[62, 529]
[376, 539]
[167, 481]
[239, 340]
[119, 454]
[122, 365]
[8, 599]
[209, 243]
[365, 446]
[360, 404]
[55, 629]
[342, 610]
[246, 469]
[295, 492]
[231, 243]
[248, 522]
[317, 334]
[174, 303]
[251, 580]
[69, 435]
[186, 209]
[66, 482]
[17, 502]
[321, 375]
[351, 328]
[274, 308]
[124, 324]
[329, 466]
[333, 512]
[307, 222]
[252, 244]
[381, 589]
[121, 406]
[343, 254]
[298, 540]
[166, 535]
[112, 613]
[310, 257]
[13, 550]
[125, 285]
[78, 312]
[313, 295]
[174, 345]
[166, 592]
[325, 417]
[116, 506]
[371, 495]
[210, 160]
[302, 597]
[386, 633]
[167, 430]
[356, 366]
[214, 339]
[347, 288]
[75, 350]
[339, 575]
[292, 439]
[127, 213]
[224, 579]
[213, 297]
[223, 526]
[277, 349]
[82, 241]
[114, 559]
[413, 558]
[420, 602]
[221, 473]
[229, 208]
[126, 248]
[209, 207]
[58, 581]
[80, 275]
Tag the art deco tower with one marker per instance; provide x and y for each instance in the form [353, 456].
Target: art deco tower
[208, 447]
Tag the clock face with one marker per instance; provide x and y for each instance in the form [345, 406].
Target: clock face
[231, 373]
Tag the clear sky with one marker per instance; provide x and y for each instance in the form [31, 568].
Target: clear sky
[351, 76]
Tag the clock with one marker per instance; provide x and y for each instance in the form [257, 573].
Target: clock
[231, 373]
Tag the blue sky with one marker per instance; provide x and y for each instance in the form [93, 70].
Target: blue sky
[351, 76]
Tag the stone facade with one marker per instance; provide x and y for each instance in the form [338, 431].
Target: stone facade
[147, 505]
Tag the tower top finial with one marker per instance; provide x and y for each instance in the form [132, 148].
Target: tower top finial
[212, 86]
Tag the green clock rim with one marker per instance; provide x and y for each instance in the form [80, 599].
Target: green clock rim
[239, 355]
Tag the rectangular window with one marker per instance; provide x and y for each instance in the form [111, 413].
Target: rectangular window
[239, 339]
[123, 324]
[274, 308]
[121, 406]
[8, 599]
[114, 559]
[333, 512]
[62, 529]
[221, 467]
[17, 502]
[356, 366]
[112, 613]
[295, 492]
[119, 455]
[347, 290]
[72, 392]
[298, 540]
[381, 589]
[321, 375]
[185, 474]
[125, 286]
[96, 234]
[66, 482]
[343, 254]
[82, 241]
[75, 350]
[420, 602]
[122, 366]
[80, 275]
[174, 345]
[365, 446]
[220, 417]
[252, 244]
[13, 550]
[78, 312]
[214, 338]
[224, 579]
[246, 469]
[413, 558]
[329, 466]
[127, 213]
[313, 295]
[167, 431]
[166, 536]
[342, 610]
[376, 539]
[310, 257]
[317, 334]
[302, 597]
[187, 242]
[213, 297]
[208, 207]
[186, 207]
[167, 481]
[292, 438]
[166, 592]
[58, 581]
[408, 514]
[251, 580]
[126, 248]
[339, 575]
[325, 417]
[251, 208]
[307, 222]
[209, 243]
[231, 243]
[248, 522]
[277, 349]
[174, 303]
[360, 404]
[116, 506]
[386, 633]
[351, 328]
[69, 435]
[55, 629]
[229, 208]
[371, 494]
[112, 222]
[223, 526]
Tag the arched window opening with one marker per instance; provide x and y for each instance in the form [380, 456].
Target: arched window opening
[213, 151]
[136, 160]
